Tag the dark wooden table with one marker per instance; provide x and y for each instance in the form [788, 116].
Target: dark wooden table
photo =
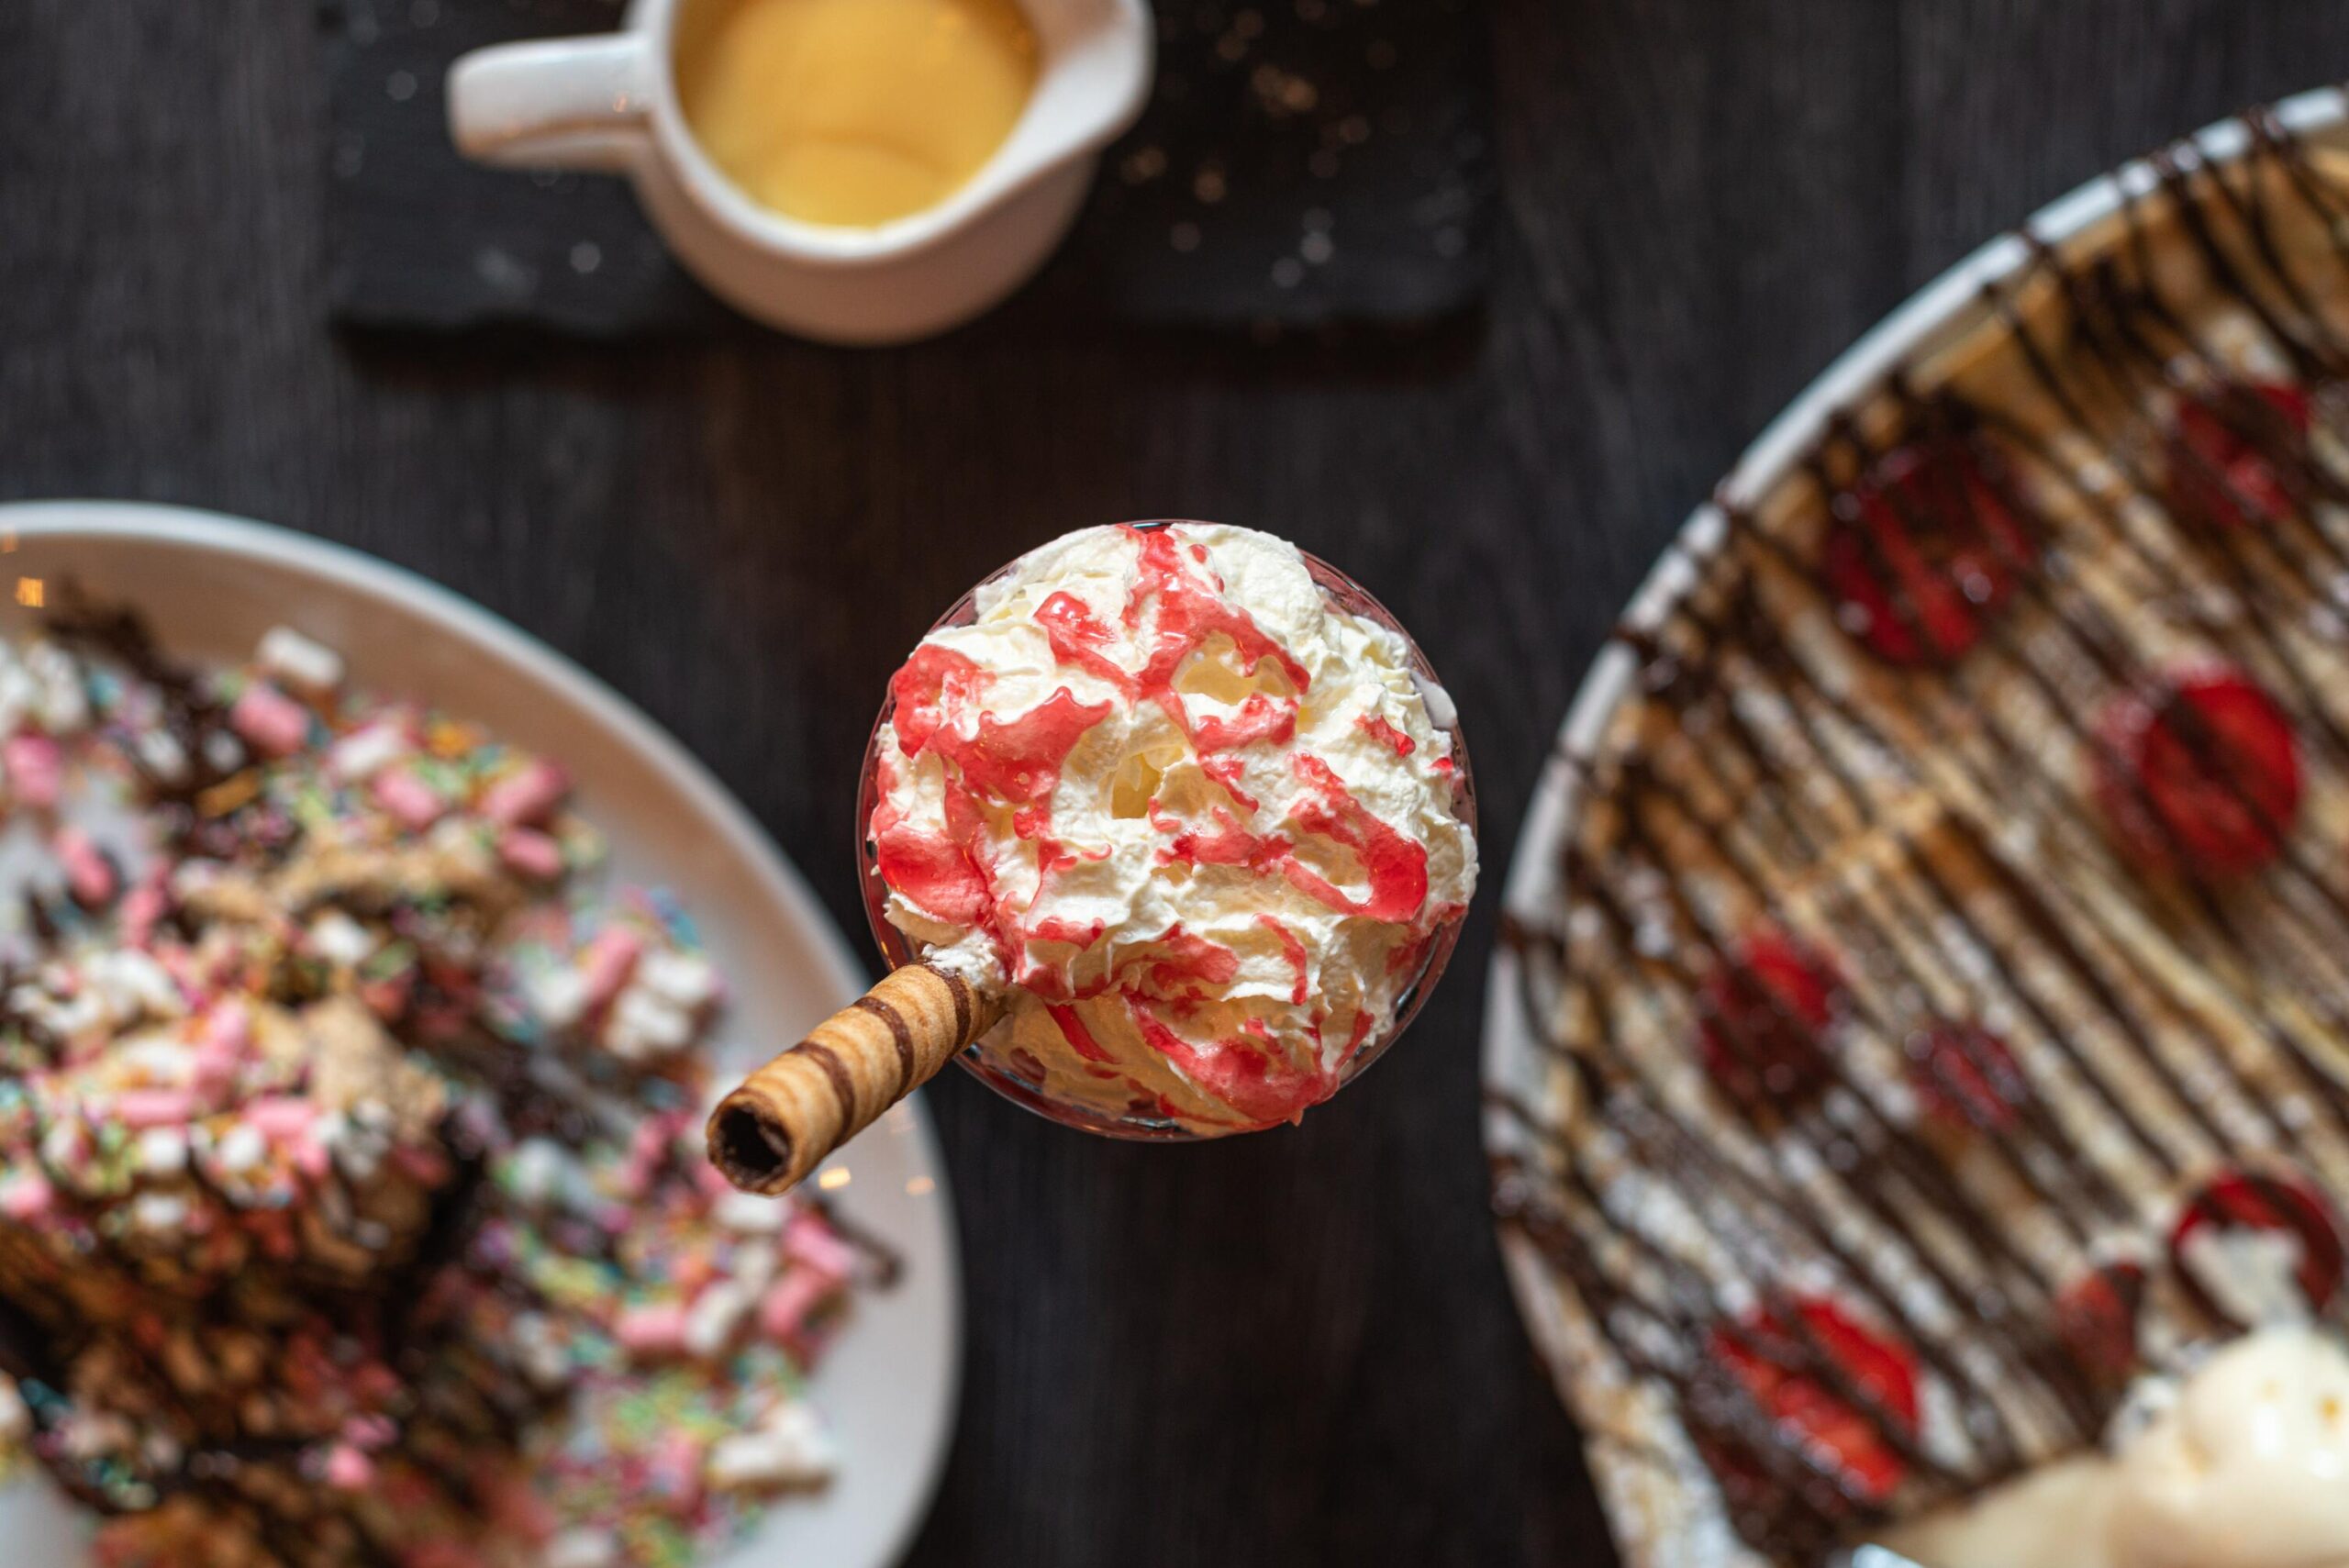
[1287, 1349]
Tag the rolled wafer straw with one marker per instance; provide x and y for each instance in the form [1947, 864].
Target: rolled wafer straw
[791, 1114]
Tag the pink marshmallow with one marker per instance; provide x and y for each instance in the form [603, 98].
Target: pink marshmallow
[809, 1242]
[786, 1308]
[530, 852]
[36, 770]
[229, 1025]
[88, 872]
[407, 796]
[281, 1116]
[271, 723]
[141, 912]
[27, 1198]
[608, 961]
[652, 1330]
[313, 1159]
[675, 1470]
[369, 1433]
[526, 796]
[140, 1109]
[347, 1470]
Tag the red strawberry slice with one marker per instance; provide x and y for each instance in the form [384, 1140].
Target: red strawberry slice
[1924, 551]
[2201, 774]
[2248, 1202]
[1849, 1439]
[2096, 1319]
[1767, 1013]
[1966, 1079]
[2221, 471]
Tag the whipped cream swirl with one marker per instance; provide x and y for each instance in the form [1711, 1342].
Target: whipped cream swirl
[1198, 817]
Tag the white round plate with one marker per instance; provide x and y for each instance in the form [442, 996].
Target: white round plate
[210, 585]
[1514, 1062]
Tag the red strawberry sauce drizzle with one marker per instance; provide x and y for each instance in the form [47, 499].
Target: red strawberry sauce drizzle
[1080, 1039]
[1018, 763]
[1379, 730]
[1292, 950]
[1253, 1081]
[1228, 772]
[1396, 865]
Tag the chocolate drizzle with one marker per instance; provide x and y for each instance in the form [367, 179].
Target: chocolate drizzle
[1886, 727]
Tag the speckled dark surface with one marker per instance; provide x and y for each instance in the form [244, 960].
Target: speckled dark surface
[1303, 164]
[1295, 1349]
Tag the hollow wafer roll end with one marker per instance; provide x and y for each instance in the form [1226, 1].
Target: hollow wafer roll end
[790, 1115]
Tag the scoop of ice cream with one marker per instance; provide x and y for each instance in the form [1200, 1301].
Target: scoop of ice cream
[2249, 1468]
[1200, 816]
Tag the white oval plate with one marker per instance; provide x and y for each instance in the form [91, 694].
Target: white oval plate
[211, 585]
[1515, 1064]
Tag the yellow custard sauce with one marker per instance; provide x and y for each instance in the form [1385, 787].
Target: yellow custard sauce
[853, 111]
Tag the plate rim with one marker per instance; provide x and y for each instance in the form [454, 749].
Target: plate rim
[1944, 308]
[409, 590]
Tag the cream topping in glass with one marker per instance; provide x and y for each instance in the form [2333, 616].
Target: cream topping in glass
[1196, 814]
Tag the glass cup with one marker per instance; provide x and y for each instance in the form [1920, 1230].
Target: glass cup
[1006, 1077]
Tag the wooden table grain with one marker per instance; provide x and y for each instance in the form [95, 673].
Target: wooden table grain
[1295, 1349]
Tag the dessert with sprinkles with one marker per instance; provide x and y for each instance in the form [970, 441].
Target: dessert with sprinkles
[352, 1208]
[1940, 1131]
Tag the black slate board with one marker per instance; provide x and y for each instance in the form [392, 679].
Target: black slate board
[1302, 163]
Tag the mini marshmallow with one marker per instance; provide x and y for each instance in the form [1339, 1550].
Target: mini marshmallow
[161, 753]
[36, 770]
[681, 979]
[163, 1152]
[716, 1316]
[341, 941]
[557, 996]
[526, 796]
[644, 1026]
[271, 722]
[402, 791]
[530, 852]
[159, 1213]
[60, 705]
[789, 1448]
[241, 1150]
[652, 1330]
[584, 1547]
[364, 752]
[748, 1215]
[88, 874]
[298, 661]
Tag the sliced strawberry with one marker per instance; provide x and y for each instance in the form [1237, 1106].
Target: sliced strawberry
[1924, 551]
[1855, 1439]
[2095, 1318]
[2222, 467]
[1966, 1079]
[1767, 1013]
[2201, 774]
[2255, 1203]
